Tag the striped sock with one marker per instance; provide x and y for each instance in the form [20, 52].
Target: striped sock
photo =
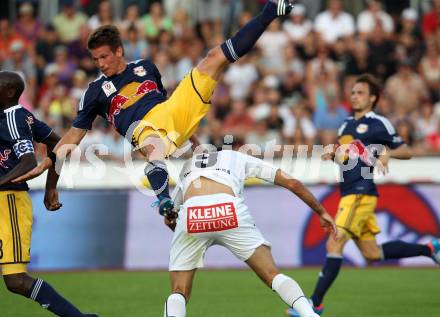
[246, 37]
[49, 299]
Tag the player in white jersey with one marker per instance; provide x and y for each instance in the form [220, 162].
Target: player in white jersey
[212, 212]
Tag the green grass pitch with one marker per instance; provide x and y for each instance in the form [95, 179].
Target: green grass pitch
[378, 292]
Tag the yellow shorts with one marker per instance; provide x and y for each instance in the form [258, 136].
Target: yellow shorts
[356, 216]
[15, 231]
[176, 119]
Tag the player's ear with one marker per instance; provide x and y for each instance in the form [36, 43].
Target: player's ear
[373, 99]
[120, 51]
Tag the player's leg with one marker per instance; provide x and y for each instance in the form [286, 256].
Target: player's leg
[392, 250]
[181, 286]
[40, 292]
[244, 40]
[16, 232]
[331, 268]
[155, 149]
[289, 291]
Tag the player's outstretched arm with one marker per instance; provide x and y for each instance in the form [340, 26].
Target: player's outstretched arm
[27, 162]
[298, 188]
[63, 148]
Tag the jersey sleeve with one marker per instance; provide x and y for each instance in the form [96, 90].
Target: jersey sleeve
[87, 110]
[20, 132]
[41, 130]
[388, 136]
[260, 169]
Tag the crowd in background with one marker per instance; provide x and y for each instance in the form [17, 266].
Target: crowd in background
[293, 88]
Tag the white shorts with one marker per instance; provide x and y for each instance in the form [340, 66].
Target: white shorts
[204, 221]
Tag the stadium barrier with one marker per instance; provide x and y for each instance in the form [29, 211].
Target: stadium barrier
[116, 228]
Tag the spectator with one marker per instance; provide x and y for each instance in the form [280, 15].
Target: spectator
[429, 69]
[135, 47]
[79, 54]
[21, 62]
[7, 37]
[331, 117]
[369, 19]
[238, 122]
[298, 26]
[45, 47]
[131, 19]
[68, 22]
[66, 67]
[105, 15]
[155, 21]
[27, 25]
[409, 36]
[359, 62]
[405, 89]
[431, 20]
[271, 44]
[382, 53]
[334, 23]
[240, 76]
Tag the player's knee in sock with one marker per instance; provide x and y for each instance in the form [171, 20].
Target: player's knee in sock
[175, 306]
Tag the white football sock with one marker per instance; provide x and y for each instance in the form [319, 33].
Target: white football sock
[292, 295]
[175, 306]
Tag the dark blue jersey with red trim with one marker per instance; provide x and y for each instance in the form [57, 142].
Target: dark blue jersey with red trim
[361, 141]
[18, 130]
[122, 99]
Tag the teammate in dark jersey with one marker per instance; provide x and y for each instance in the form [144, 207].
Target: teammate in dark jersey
[18, 130]
[370, 141]
[132, 98]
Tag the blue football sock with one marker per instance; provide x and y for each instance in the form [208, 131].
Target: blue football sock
[400, 249]
[49, 299]
[246, 37]
[157, 174]
[328, 274]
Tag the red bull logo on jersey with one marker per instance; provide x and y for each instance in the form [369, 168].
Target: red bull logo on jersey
[4, 156]
[212, 218]
[352, 149]
[128, 96]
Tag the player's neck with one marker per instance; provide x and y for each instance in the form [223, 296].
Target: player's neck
[360, 114]
[7, 105]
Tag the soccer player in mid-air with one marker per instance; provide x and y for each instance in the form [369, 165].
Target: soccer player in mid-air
[131, 97]
[212, 212]
[18, 129]
[372, 140]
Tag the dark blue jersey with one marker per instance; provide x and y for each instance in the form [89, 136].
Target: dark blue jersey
[18, 129]
[365, 139]
[122, 99]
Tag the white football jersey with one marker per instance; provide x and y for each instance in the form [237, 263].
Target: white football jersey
[227, 167]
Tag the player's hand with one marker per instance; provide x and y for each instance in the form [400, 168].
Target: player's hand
[170, 222]
[328, 224]
[37, 171]
[382, 163]
[51, 200]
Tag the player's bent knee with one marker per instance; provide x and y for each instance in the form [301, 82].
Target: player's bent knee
[213, 63]
[372, 256]
[17, 283]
